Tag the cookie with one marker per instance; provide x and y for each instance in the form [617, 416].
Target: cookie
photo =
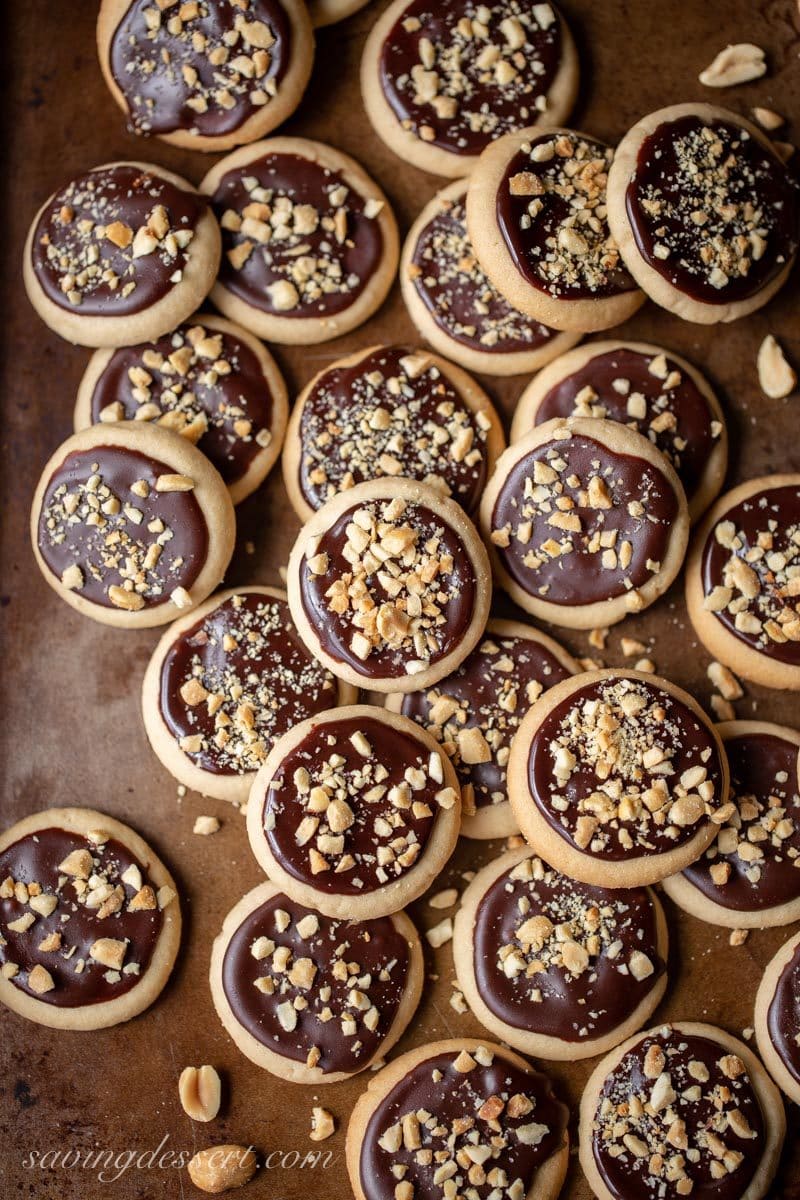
[354, 813]
[328, 12]
[224, 683]
[389, 585]
[704, 211]
[558, 969]
[617, 777]
[440, 81]
[210, 381]
[536, 217]
[585, 521]
[388, 411]
[777, 1018]
[649, 389]
[209, 76]
[131, 524]
[458, 1118]
[89, 919]
[121, 255]
[310, 242]
[742, 592]
[681, 1110]
[310, 998]
[748, 877]
[475, 712]
[456, 308]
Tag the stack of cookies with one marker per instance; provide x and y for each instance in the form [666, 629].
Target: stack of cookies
[385, 702]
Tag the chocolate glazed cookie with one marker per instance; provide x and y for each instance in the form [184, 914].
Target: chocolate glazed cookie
[741, 581]
[454, 305]
[309, 998]
[727, 1129]
[474, 1111]
[224, 683]
[89, 918]
[208, 380]
[705, 213]
[475, 712]
[616, 776]
[354, 812]
[388, 411]
[649, 389]
[585, 521]
[559, 969]
[748, 877]
[208, 76]
[777, 1018]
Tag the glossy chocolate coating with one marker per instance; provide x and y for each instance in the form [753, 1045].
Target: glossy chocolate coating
[680, 729]
[783, 1016]
[123, 193]
[339, 439]
[279, 681]
[530, 239]
[347, 266]
[484, 109]
[556, 1002]
[35, 859]
[626, 1176]
[392, 749]
[687, 443]
[756, 178]
[764, 770]
[335, 631]
[578, 578]
[448, 1098]
[183, 555]
[226, 400]
[775, 511]
[156, 93]
[377, 951]
[458, 295]
[495, 667]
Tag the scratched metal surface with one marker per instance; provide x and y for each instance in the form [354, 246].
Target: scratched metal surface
[70, 730]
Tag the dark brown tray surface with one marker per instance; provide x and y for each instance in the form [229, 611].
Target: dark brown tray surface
[71, 732]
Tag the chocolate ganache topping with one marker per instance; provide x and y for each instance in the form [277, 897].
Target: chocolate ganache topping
[114, 241]
[299, 241]
[712, 210]
[564, 959]
[471, 1117]
[753, 864]
[576, 522]
[205, 66]
[783, 1016]
[395, 612]
[622, 768]
[649, 393]
[79, 917]
[458, 295]
[205, 384]
[392, 413]
[475, 711]
[750, 568]
[351, 807]
[678, 1116]
[236, 681]
[319, 991]
[459, 74]
[551, 209]
[121, 529]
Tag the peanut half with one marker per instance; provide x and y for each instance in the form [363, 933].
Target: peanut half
[221, 1168]
[200, 1091]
